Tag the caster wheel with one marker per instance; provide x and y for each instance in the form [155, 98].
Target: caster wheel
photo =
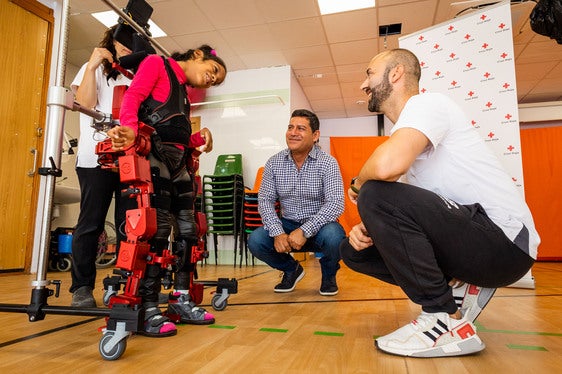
[116, 351]
[64, 264]
[108, 295]
[217, 305]
[53, 265]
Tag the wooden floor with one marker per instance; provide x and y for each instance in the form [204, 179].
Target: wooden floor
[300, 332]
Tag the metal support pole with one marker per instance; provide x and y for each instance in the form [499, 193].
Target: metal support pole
[52, 150]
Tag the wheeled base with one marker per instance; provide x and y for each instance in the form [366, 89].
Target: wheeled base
[225, 287]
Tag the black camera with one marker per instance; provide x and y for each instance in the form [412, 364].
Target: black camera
[140, 12]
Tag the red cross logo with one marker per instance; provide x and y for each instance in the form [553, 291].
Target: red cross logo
[506, 85]
[488, 104]
[470, 93]
[508, 116]
[510, 148]
[502, 25]
[467, 36]
[453, 83]
[491, 135]
[437, 73]
[469, 64]
[485, 45]
[487, 75]
[503, 55]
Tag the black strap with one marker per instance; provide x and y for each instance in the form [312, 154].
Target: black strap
[153, 112]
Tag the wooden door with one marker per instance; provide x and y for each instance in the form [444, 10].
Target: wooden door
[25, 40]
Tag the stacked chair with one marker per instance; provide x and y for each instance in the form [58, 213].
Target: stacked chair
[222, 200]
[252, 217]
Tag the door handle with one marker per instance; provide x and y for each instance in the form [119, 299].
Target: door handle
[31, 172]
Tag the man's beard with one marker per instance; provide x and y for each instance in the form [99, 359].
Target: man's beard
[380, 93]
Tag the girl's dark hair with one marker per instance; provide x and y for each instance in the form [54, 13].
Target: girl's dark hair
[208, 54]
[107, 43]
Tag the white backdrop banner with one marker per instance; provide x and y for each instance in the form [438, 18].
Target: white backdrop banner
[471, 60]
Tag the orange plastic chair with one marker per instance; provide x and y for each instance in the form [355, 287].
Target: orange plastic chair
[257, 183]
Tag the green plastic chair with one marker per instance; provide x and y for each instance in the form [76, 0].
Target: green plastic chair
[223, 194]
[228, 165]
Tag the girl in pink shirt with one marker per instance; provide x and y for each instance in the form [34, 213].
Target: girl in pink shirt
[158, 97]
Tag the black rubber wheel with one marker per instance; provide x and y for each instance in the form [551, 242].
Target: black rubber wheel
[64, 264]
[218, 305]
[116, 352]
[107, 295]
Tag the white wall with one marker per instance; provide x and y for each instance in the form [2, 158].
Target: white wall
[254, 127]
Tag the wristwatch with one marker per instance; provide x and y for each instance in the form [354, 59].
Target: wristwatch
[352, 185]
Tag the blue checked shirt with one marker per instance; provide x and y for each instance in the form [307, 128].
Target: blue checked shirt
[313, 195]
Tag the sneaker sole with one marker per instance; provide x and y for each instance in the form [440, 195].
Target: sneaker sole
[294, 285]
[465, 347]
[197, 322]
[157, 335]
[333, 293]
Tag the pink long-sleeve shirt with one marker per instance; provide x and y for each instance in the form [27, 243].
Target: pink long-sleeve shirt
[151, 79]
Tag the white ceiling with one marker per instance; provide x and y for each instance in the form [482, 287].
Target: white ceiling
[251, 34]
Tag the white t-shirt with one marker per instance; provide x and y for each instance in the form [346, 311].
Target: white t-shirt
[86, 156]
[458, 165]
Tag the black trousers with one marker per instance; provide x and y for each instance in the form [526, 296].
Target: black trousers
[174, 203]
[97, 187]
[422, 241]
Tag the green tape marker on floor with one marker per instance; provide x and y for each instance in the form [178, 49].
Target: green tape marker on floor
[222, 327]
[481, 328]
[526, 347]
[326, 333]
[273, 330]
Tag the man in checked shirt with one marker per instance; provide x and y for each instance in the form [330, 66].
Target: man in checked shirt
[307, 183]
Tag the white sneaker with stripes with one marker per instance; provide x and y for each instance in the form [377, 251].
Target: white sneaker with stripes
[432, 335]
[471, 299]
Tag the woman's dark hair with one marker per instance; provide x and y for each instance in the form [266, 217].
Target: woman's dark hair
[208, 54]
[312, 118]
[107, 43]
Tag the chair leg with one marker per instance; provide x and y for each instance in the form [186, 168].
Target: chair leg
[241, 246]
[235, 246]
[215, 239]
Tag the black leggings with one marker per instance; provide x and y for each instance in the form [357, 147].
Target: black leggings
[423, 240]
[173, 200]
